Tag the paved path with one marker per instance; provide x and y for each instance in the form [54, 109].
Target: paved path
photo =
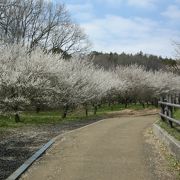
[111, 149]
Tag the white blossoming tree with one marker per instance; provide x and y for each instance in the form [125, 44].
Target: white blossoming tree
[36, 78]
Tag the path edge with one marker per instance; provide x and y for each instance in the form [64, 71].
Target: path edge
[172, 144]
[26, 165]
[16, 174]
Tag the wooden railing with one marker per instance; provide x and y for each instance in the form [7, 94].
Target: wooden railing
[168, 105]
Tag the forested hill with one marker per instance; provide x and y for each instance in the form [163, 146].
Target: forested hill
[151, 62]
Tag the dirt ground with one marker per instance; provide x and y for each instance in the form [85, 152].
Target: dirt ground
[18, 144]
[115, 148]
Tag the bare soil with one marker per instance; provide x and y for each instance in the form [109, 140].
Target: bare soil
[18, 144]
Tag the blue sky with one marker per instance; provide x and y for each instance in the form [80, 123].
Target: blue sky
[129, 26]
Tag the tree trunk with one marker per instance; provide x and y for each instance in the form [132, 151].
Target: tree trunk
[65, 110]
[86, 112]
[143, 105]
[17, 117]
[86, 109]
[126, 104]
[156, 102]
[37, 109]
[109, 104]
[112, 106]
[95, 109]
[147, 104]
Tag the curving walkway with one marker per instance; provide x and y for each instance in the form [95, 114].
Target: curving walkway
[111, 149]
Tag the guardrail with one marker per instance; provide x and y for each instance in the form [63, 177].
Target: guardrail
[168, 105]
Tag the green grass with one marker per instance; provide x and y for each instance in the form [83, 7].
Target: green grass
[48, 117]
[118, 107]
[175, 132]
[54, 117]
[8, 122]
[177, 114]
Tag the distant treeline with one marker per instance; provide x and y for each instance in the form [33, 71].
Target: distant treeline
[150, 62]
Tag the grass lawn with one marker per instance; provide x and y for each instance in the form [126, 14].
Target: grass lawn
[38, 119]
[177, 114]
[118, 107]
[175, 132]
[54, 117]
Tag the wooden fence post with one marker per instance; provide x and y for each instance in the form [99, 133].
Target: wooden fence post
[167, 104]
[162, 107]
[166, 111]
[170, 110]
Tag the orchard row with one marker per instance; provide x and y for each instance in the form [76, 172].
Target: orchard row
[34, 79]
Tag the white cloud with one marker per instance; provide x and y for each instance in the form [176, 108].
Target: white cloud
[81, 11]
[178, 1]
[172, 12]
[111, 2]
[131, 35]
[137, 3]
[79, 7]
[142, 3]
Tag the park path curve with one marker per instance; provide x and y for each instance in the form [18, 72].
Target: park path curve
[111, 149]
